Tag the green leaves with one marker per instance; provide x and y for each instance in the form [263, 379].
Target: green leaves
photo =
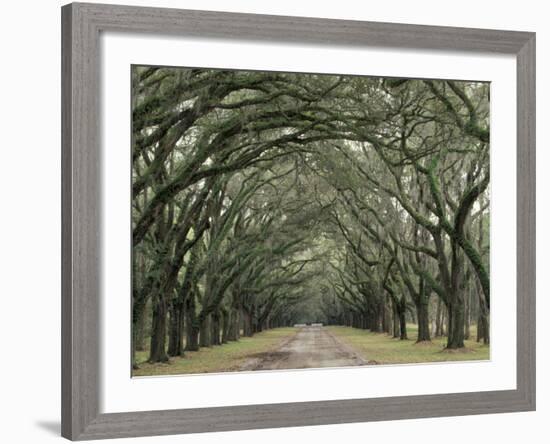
[283, 184]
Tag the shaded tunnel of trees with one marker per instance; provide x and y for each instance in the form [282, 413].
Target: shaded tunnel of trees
[264, 199]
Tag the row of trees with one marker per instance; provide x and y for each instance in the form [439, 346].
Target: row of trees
[264, 199]
[413, 210]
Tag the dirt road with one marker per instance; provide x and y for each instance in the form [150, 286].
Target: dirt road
[311, 347]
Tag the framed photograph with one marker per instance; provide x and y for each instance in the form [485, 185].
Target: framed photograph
[278, 221]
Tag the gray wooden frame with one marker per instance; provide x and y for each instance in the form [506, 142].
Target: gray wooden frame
[81, 168]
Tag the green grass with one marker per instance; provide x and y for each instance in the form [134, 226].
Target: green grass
[383, 349]
[221, 358]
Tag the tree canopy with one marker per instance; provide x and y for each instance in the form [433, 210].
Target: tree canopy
[263, 199]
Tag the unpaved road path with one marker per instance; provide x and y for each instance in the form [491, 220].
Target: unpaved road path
[310, 347]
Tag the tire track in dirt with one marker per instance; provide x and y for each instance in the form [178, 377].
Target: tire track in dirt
[311, 347]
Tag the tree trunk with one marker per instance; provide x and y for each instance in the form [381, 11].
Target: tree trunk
[396, 324]
[423, 322]
[389, 322]
[386, 318]
[225, 325]
[138, 329]
[157, 352]
[247, 323]
[139, 326]
[175, 339]
[205, 330]
[455, 338]
[191, 324]
[172, 330]
[439, 319]
[455, 332]
[403, 325]
[483, 328]
[192, 336]
[139, 309]
[377, 319]
[234, 323]
[216, 328]
[467, 313]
